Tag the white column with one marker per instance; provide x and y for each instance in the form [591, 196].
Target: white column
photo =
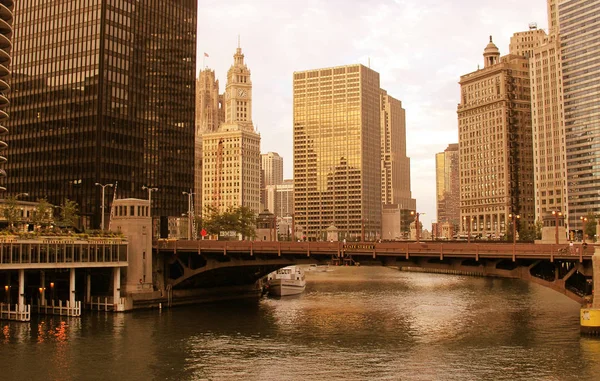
[116, 285]
[21, 289]
[43, 287]
[72, 288]
[88, 287]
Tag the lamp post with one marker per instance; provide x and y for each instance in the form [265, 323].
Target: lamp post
[413, 213]
[584, 221]
[556, 214]
[189, 213]
[514, 217]
[150, 190]
[362, 231]
[468, 227]
[103, 189]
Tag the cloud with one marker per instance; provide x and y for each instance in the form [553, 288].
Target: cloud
[419, 47]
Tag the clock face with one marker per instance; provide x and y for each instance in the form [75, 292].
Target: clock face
[242, 93]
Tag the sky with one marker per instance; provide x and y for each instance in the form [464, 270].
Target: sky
[419, 47]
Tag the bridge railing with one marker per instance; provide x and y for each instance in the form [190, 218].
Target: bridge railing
[384, 248]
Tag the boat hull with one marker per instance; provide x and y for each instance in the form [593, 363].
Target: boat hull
[284, 287]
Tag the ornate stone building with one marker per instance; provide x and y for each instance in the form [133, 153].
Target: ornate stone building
[231, 154]
[209, 116]
[495, 145]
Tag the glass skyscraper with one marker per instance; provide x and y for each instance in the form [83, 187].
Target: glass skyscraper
[103, 92]
[6, 20]
[579, 29]
[337, 152]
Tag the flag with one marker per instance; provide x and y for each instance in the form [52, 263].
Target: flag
[205, 54]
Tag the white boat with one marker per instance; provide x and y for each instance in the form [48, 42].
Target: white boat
[286, 281]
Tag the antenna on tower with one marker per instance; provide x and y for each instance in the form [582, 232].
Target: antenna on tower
[369, 62]
[238, 41]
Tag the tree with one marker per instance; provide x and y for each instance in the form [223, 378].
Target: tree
[211, 220]
[240, 219]
[538, 229]
[69, 213]
[11, 212]
[526, 233]
[42, 215]
[247, 222]
[589, 227]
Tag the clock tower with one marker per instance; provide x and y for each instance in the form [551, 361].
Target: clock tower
[238, 93]
[231, 154]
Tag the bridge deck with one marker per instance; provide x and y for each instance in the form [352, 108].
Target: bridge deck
[393, 249]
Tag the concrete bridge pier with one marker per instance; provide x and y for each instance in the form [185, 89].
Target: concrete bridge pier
[590, 312]
[42, 288]
[71, 287]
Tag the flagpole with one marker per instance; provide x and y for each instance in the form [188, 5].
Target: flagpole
[111, 205]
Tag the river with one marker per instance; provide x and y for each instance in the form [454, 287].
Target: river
[351, 323]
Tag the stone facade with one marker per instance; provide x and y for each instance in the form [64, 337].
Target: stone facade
[231, 154]
[495, 144]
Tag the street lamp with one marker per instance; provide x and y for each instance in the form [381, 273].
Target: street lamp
[413, 213]
[150, 190]
[468, 227]
[103, 188]
[189, 195]
[584, 221]
[514, 217]
[362, 231]
[556, 214]
[21, 194]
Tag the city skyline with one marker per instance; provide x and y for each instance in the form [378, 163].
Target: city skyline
[420, 64]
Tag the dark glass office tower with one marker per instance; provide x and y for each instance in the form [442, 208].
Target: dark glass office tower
[6, 20]
[103, 92]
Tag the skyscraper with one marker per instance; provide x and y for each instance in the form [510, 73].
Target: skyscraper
[548, 127]
[523, 43]
[395, 170]
[496, 164]
[103, 92]
[6, 18]
[395, 165]
[272, 165]
[579, 29]
[271, 174]
[337, 151]
[231, 154]
[448, 187]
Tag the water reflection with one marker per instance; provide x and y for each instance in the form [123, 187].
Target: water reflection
[350, 324]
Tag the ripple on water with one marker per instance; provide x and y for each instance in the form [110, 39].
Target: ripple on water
[352, 323]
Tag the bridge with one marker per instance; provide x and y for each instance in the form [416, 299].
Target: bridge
[568, 270]
[195, 264]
